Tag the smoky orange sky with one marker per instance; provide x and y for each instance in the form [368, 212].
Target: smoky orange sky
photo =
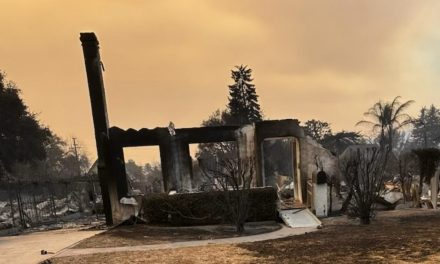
[171, 60]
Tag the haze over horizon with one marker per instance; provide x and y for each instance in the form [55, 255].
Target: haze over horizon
[170, 61]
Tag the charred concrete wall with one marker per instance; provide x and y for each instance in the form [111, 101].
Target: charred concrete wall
[313, 155]
[245, 136]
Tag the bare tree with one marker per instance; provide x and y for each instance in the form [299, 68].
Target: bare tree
[407, 170]
[364, 171]
[234, 178]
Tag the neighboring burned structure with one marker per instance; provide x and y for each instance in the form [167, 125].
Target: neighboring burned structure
[173, 143]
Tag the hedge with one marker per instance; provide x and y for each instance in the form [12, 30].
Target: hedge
[206, 208]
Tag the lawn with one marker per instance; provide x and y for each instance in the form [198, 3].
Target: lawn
[142, 234]
[405, 236]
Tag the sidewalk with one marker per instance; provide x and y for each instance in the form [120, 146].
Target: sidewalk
[283, 232]
[27, 248]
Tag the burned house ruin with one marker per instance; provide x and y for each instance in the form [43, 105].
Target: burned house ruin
[175, 156]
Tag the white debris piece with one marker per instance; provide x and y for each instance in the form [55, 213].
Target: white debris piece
[42, 205]
[393, 197]
[299, 218]
[130, 201]
[3, 204]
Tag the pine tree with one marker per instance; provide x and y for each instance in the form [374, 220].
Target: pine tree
[426, 132]
[243, 101]
[243, 108]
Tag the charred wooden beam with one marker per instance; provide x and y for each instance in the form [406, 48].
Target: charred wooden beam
[92, 60]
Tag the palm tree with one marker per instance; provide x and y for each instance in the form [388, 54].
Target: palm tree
[388, 118]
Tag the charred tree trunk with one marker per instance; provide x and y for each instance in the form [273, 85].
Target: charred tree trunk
[347, 200]
[52, 201]
[34, 205]
[11, 203]
[20, 206]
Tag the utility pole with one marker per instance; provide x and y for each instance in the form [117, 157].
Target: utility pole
[75, 152]
[78, 171]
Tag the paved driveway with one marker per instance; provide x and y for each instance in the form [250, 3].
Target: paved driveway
[26, 248]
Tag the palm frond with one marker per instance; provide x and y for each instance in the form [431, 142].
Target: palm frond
[365, 122]
[402, 107]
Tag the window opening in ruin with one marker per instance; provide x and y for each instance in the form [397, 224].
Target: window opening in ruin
[143, 168]
[211, 156]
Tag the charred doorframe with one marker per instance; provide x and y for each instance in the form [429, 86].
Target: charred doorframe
[295, 155]
[288, 128]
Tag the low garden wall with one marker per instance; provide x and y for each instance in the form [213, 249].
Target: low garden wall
[207, 207]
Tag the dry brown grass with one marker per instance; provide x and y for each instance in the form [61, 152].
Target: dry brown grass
[410, 236]
[136, 235]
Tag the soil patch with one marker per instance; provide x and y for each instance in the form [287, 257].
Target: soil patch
[142, 234]
[394, 237]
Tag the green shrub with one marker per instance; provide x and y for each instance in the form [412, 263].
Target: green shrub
[206, 208]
